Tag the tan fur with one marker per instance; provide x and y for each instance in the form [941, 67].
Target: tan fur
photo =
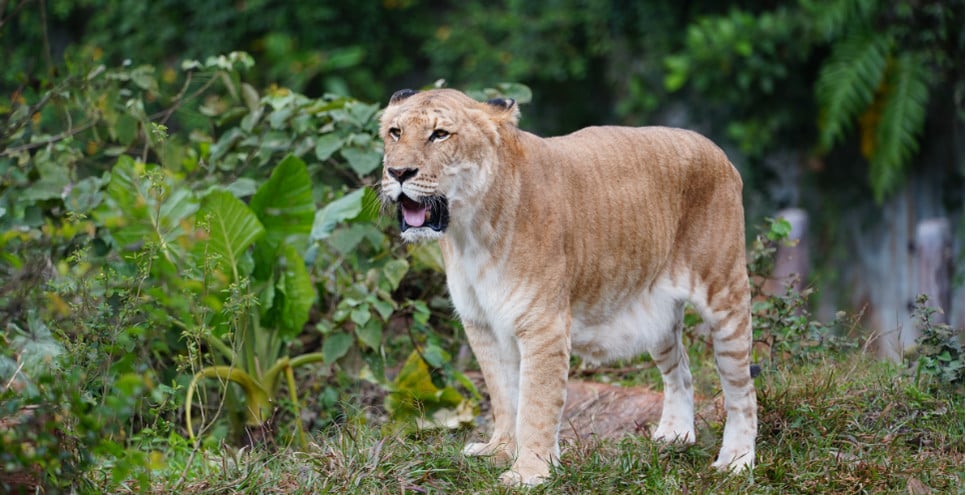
[587, 243]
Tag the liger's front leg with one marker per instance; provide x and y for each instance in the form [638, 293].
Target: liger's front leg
[500, 363]
[545, 359]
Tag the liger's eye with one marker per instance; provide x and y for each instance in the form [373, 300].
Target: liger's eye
[394, 133]
[438, 135]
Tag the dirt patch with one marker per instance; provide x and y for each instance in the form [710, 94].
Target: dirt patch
[605, 411]
[609, 411]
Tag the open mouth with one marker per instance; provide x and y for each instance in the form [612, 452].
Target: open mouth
[431, 212]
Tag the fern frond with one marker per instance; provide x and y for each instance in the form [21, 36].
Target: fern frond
[847, 82]
[830, 18]
[903, 118]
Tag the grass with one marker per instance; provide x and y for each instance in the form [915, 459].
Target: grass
[849, 425]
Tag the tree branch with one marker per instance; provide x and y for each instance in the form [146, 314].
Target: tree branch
[51, 140]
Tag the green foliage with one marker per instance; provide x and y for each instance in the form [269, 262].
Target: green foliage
[830, 18]
[595, 59]
[752, 49]
[262, 323]
[415, 394]
[879, 74]
[901, 122]
[783, 329]
[181, 278]
[742, 61]
[761, 76]
[847, 83]
[865, 79]
[938, 358]
[878, 63]
[338, 130]
[464, 41]
[77, 373]
[764, 248]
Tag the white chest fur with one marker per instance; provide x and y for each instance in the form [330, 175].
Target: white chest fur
[483, 292]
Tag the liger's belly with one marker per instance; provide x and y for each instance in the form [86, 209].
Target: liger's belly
[633, 326]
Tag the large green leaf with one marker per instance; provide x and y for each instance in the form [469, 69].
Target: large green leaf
[232, 228]
[413, 395]
[346, 240]
[326, 145]
[340, 210]
[294, 294]
[336, 345]
[285, 206]
[362, 160]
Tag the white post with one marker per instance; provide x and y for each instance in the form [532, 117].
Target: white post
[792, 261]
[933, 258]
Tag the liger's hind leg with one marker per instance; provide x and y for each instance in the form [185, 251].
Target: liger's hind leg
[732, 350]
[677, 416]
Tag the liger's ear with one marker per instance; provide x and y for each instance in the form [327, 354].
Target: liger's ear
[504, 103]
[506, 108]
[401, 95]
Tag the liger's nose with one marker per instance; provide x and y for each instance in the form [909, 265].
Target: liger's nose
[402, 174]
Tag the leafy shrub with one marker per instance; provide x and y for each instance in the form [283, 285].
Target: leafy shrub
[77, 377]
[783, 328]
[938, 356]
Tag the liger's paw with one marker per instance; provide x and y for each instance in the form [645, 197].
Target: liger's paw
[735, 462]
[668, 432]
[525, 477]
[500, 453]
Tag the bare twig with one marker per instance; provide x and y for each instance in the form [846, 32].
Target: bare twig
[163, 116]
[51, 140]
[33, 109]
[180, 100]
[187, 467]
[14, 377]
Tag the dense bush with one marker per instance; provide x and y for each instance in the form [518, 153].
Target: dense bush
[153, 231]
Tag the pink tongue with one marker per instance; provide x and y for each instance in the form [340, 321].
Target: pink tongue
[415, 217]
